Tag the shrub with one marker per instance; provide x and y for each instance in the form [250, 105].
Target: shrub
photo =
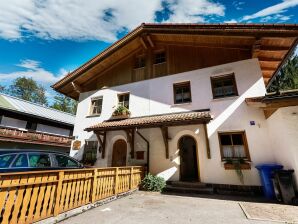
[121, 110]
[153, 183]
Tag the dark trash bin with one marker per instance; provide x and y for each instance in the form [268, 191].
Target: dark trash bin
[285, 185]
[266, 172]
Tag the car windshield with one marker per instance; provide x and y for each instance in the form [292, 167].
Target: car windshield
[39, 160]
[5, 160]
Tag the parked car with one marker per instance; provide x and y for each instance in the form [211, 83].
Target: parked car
[32, 160]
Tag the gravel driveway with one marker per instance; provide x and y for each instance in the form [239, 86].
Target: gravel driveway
[145, 208]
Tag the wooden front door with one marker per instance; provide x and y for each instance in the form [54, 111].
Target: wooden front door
[188, 159]
[119, 153]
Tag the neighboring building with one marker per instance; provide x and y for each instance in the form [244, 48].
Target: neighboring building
[185, 86]
[26, 125]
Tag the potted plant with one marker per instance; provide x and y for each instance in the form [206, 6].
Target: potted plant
[121, 112]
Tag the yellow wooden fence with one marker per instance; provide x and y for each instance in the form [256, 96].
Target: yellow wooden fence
[32, 196]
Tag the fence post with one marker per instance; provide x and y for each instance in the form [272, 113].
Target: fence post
[116, 181]
[94, 187]
[58, 193]
[131, 176]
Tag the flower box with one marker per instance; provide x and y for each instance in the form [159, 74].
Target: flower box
[243, 166]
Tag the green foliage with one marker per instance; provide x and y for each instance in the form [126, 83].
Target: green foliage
[237, 166]
[121, 110]
[65, 104]
[153, 183]
[287, 78]
[2, 89]
[28, 89]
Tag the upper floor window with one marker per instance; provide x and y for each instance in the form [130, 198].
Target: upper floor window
[160, 57]
[96, 106]
[182, 92]
[140, 61]
[233, 145]
[31, 126]
[224, 86]
[123, 100]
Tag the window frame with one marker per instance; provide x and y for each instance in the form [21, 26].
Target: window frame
[91, 108]
[245, 144]
[123, 94]
[155, 57]
[138, 59]
[31, 126]
[181, 84]
[223, 77]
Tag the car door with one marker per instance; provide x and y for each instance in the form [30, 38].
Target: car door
[65, 162]
[39, 161]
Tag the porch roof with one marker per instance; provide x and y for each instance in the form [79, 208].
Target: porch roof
[174, 119]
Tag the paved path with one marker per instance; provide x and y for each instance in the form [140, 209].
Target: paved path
[153, 208]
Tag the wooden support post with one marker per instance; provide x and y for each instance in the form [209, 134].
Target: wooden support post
[150, 41]
[131, 140]
[131, 180]
[116, 180]
[58, 193]
[94, 186]
[165, 135]
[102, 143]
[143, 43]
[207, 142]
[76, 87]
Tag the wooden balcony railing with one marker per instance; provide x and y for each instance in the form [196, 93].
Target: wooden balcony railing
[32, 196]
[17, 135]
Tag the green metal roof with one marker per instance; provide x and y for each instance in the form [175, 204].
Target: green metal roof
[5, 104]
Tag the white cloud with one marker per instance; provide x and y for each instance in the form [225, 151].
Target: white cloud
[92, 19]
[193, 11]
[32, 69]
[238, 5]
[275, 18]
[231, 21]
[272, 10]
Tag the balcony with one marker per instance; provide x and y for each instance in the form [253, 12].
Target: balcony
[24, 136]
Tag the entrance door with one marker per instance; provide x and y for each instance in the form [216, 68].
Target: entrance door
[188, 159]
[119, 153]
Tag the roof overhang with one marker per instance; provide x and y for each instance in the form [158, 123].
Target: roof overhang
[270, 43]
[155, 121]
[272, 102]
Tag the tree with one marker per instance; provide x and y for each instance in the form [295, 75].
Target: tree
[287, 78]
[65, 104]
[2, 89]
[28, 89]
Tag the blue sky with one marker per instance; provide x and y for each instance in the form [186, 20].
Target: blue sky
[46, 39]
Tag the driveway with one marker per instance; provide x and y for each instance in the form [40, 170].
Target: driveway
[145, 208]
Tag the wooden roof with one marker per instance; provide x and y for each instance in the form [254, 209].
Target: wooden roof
[173, 119]
[270, 43]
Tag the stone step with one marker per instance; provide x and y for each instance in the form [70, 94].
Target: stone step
[200, 190]
[188, 184]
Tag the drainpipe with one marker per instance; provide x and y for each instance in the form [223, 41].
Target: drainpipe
[148, 146]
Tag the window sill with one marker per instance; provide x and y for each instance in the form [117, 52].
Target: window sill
[180, 104]
[225, 98]
[94, 115]
[243, 166]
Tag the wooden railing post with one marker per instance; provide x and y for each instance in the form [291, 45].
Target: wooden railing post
[116, 180]
[94, 187]
[131, 178]
[58, 193]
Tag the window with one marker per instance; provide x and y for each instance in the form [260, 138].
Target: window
[96, 106]
[123, 100]
[140, 61]
[90, 152]
[224, 86]
[182, 93]
[233, 145]
[31, 126]
[6, 160]
[160, 57]
[39, 160]
[21, 161]
[64, 161]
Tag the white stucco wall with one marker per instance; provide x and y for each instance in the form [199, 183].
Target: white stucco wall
[283, 130]
[155, 96]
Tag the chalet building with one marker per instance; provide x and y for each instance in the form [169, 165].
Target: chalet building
[184, 99]
[26, 125]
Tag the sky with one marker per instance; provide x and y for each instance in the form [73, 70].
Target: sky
[46, 39]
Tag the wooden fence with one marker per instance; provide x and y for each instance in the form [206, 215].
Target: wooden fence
[32, 196]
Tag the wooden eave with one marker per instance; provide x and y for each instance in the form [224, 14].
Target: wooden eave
[271, 44]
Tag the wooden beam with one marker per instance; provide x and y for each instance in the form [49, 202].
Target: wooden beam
[143, 43]
[165, 135]
[207, 142]
[269, 112]
[130, 133]
[76, 87]
[102, 142]
[256, 47]
[150, 41]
